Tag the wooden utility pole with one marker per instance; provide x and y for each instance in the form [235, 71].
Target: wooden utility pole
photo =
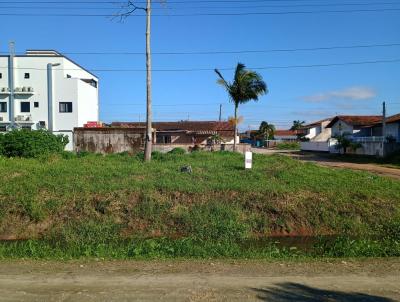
[149, 113]
[220, 112]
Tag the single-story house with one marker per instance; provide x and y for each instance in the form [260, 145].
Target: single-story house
[392, 128]
[356, 125]
[285, 135]
[317, 131]
[186, 132]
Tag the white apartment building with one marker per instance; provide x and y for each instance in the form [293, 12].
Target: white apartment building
[43, 89]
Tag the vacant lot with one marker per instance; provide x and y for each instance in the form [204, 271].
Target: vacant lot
[330, 281]
[87, 205]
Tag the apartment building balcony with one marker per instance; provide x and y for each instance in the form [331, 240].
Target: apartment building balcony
[17, 91]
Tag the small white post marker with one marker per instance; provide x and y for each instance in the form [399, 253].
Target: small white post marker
[248, 160]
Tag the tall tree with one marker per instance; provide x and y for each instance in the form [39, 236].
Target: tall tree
[129, 9]
[247, 85]
[266, 130]
[297, 125]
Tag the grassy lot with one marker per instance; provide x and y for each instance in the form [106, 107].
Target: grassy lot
[119, 207]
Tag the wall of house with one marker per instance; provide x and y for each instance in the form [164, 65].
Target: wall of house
[108, 140]
[65, 89]
[393, 129]
[341, 127]
[312, 132]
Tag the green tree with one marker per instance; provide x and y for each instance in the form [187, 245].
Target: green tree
[344, 143]
[266, 130]
[247, 85]
[297, 127]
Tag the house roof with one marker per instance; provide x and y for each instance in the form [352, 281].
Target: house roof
[49, 53]
[285, 133]
[311, 125]
[356, 120]
[198, 127]
[393, 118]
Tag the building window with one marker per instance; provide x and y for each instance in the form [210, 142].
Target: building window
[1, 75]
[25, 107]
[3, 128]
[3, 107]
[65, 107]
[36, 104]
[164, 139]
[27, 75]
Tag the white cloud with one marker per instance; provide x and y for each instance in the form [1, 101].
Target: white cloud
[352, 93]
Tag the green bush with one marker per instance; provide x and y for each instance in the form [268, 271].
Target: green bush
[177, 151]
[24, 143]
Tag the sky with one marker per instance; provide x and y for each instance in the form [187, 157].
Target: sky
[181, 91]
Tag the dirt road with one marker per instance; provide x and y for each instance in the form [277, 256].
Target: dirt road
[324, 160]
[345, 281]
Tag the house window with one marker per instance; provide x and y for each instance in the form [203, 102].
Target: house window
[65, 107]
[1, 75]
[3, 107]
[25, 107]
[164, 139]
[27, 75]
[3, 128]
[36, 104]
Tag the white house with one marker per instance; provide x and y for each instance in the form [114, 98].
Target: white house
[317, 131]
[356, 125]
[43, 89]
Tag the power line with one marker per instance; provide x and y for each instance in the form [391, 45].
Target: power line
[233, 51]
[204, 14]
[228, 68]
[143, 2]
[202, 7]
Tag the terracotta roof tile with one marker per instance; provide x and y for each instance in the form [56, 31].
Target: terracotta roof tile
[356, 120]
[197, 126]
[285, 133]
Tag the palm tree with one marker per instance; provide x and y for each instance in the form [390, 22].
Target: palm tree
[266, 130]
[297, 128]
[247, 85]
[297, 125]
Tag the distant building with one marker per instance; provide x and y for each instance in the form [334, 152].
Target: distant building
[43, 89]
[186, 132]
[317, 131]
[356, 125]
[285, 135]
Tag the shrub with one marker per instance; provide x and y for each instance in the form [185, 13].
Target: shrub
[177, 151]
[23, 143]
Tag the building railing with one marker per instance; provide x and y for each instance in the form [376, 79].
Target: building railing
[368, 139]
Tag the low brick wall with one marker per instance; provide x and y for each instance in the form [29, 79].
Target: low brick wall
[164, 148]
[108, 140]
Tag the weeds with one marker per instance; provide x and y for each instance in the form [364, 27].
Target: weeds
[117, 206]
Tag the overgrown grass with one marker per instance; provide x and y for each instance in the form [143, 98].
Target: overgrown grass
[288, 146]
[117, 206]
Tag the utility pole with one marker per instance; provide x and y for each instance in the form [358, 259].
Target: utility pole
[149, 113]
[220, 112]
[384, 120]
[384, 128]
[11, 84]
